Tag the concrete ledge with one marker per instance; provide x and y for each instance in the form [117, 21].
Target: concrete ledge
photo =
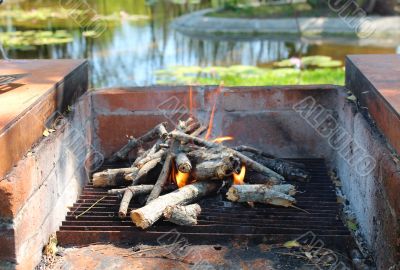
[375, 81]
[51, 85]
[198, 24]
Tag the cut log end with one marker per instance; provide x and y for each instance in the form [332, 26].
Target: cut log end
[139, 219]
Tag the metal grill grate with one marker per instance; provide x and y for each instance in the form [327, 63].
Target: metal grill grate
[6, 79]
[220, 220]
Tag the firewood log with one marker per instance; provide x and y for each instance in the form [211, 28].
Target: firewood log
[287, 169]
[216, 169]
[159, 154]
[162, 179]
[245, 148]
[183, 163]
[199, 131]
[182, 215]
[145, 153]
[145, 216]
[135, 189]
[137, 174]
[254, 165]
[158, 131]
[129, 193]
[112, 177]
[251, 164]
[261, 194]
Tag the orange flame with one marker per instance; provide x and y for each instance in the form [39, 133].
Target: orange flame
[211, 121]
[191, 100]
[222, 139]
[181, 179]
[238, 179]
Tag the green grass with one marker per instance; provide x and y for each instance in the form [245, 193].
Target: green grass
[249, 76]
[269, 11]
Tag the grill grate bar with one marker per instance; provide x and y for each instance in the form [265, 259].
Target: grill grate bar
[219, 221]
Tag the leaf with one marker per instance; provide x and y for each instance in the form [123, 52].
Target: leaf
[352, 225]
[48, 131]
[308, 255]
[352, 98]
[291, 244]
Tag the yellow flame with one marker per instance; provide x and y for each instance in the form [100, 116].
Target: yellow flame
[222, 139]
[181, 179]
[238, 179]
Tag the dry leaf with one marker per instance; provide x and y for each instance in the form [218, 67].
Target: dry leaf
[352, 98]
[291, 244]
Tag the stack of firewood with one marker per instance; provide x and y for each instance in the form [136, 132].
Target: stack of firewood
[204, 167]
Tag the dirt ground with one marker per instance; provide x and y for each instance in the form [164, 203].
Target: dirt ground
[199, 257]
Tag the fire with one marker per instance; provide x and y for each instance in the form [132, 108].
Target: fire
[181, 179]
[191, 100]
[222, 139]
[238, 179]
[211, 121]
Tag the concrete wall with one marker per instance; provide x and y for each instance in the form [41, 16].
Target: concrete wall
[373, 197]
[257, 116]
[37, 192]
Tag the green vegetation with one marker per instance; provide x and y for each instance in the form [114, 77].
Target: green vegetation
[42, 17]
[316, 61]
[313, 70]
[26, 40]
[61, 18]
[268, 11]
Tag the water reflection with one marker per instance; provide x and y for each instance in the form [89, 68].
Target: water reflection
[130, 52]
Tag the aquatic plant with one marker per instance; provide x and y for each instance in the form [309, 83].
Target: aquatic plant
[249, 75]
[26, 40]
[315, 61]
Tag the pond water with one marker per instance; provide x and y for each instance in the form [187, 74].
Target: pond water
[130, 51]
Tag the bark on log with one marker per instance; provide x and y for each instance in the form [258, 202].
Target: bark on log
[139, 189]
[249, 149]
[151, 156]
[245, 148]
[183, 163]
[162, 179]
[185, 138]
[137, 174]
[158, 131]
[183, 215]
[287, 170]
[274, 177]
[192, 128]
[259, 193]
[145, 154]
[112, 177]
[129, 193]
[216, 169]
[146, 216]
[199, 131]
